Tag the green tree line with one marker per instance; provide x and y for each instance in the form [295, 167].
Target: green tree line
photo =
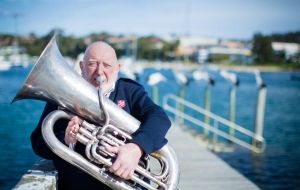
[145, 47]
[263, 52]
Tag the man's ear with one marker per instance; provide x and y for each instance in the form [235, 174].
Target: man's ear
[81, 65]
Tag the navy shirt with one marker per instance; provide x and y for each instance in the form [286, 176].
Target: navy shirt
[130, 96]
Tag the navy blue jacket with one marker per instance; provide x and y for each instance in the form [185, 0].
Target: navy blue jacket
[150, 136]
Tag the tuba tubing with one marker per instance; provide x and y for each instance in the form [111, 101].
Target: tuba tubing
[73, 157]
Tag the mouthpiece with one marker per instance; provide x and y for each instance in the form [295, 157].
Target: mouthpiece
[100, 79]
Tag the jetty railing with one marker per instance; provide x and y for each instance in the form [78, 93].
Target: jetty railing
[214, 124]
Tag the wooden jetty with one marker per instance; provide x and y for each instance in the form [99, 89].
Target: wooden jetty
[202, 169]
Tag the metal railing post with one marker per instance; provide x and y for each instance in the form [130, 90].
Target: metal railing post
[215, 136]
[260, 108]
[204, 76]
[233, 79]
[180, 107]
[206, 107]
[155, 95]
[153, 80]
[182, 82]
[232, 108]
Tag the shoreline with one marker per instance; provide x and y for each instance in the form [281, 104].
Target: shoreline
[261, 68]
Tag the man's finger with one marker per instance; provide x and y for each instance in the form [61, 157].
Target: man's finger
[73, 135]
[126, 174]
[116, 165]
[131, 173]
[75, 118]
[112, 149]
[75, 128]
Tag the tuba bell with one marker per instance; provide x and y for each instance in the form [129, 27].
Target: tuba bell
[114, 125]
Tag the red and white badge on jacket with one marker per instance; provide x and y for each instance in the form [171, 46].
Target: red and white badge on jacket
[121, 103]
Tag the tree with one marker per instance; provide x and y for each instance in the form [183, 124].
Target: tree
[291, 37]
[169, 49]
[262, 48]
[149, 48]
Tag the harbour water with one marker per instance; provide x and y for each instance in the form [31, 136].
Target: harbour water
[277, 168]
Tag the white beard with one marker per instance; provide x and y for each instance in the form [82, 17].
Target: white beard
[109, 87]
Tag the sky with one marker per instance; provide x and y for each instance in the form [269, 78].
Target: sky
[238, 19]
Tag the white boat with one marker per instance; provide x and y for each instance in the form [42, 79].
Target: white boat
[4, 65]
[13, 56]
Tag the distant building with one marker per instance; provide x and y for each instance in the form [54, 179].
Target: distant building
[290, 50]
[205, 49]
[198, 42]
[196, 48]
[238, 55]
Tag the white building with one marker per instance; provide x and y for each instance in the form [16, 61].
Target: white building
[289, 49]
[198, 41]
[202, 48]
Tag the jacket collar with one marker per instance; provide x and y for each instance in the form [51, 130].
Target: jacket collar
[113, 93]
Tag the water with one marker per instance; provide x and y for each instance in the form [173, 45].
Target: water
[277, 168]
[16, 123]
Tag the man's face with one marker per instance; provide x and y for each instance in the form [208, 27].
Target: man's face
[100, 61]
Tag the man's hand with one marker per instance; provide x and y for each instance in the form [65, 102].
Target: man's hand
[72, 130]
[128, 157]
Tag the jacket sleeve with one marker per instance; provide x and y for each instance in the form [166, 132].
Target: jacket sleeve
[37, 141]
[154, 122]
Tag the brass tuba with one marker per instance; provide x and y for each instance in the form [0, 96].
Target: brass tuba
[78, 97]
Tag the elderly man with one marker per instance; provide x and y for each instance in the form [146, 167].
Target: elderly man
[100, 68]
